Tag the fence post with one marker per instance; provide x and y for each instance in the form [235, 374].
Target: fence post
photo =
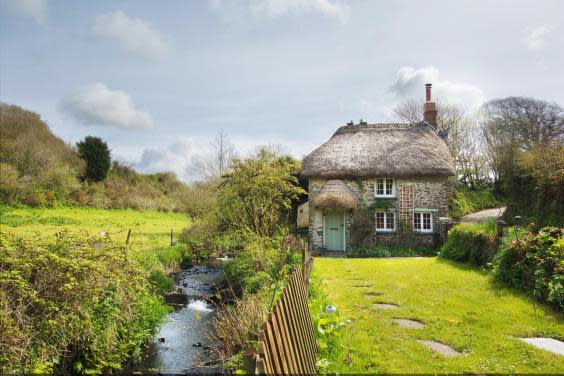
[171, 238]
[249, 361]
[128, 236]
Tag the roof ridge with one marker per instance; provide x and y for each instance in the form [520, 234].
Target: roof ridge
[352, 128]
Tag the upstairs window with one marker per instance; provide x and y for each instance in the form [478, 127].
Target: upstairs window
[385, 188]
[423, 222]
[385, 221]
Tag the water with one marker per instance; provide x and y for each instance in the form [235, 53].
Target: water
[185, 347]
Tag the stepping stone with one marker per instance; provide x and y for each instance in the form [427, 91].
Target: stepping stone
[373, 293]
[441, 348]
[407, 323]
[385, 306]
[549, 344]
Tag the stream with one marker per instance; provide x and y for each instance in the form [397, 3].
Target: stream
[181, 346]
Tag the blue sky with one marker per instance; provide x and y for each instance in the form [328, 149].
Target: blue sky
[158, 79]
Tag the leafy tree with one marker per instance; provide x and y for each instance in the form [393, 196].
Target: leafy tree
[96, 154]
[257, 194]
[524, 143]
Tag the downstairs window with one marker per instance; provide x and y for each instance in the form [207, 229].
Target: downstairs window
[385, 221]
[423, 222]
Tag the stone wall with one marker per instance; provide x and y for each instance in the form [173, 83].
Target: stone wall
[430, 193]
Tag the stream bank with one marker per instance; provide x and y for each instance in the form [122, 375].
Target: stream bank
[181, 346]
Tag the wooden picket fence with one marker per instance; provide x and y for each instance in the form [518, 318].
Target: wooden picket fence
[286, 342]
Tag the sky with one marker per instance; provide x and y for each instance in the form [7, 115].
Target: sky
[158, 80]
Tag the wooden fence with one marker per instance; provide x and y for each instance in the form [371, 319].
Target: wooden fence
[286, 342]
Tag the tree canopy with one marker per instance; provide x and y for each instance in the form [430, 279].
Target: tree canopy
[96, 154]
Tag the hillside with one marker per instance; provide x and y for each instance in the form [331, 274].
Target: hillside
[37, 168]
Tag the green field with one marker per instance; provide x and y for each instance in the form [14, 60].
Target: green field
[458, 305]
[150, 229]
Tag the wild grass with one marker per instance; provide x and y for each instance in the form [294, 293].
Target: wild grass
[459, 306]
[150, 229]
[465, 201]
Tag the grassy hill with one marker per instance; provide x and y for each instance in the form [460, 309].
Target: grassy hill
[39, 169]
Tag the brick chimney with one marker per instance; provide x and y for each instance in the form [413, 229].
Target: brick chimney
[429, 108]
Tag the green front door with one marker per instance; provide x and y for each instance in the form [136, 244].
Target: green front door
[334, 231]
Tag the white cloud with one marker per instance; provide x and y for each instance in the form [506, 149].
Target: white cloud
[536, 37]
[178, 155]
[174, 157]
[98, 105]
[36, 9]
[134, 34]
[410, 84]
[276, 8]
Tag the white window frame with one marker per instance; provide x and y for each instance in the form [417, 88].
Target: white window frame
[420, 214]
[385, 181]
[386, 217]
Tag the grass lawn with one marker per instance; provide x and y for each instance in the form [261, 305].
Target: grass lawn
[458, 305]
[151, 229]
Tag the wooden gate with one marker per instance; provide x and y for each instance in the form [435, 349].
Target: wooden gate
[286, 342]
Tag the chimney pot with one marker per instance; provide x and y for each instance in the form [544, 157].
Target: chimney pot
[428, 92]
[429, 108]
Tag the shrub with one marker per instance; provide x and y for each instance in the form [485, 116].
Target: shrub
[8, 183]
[160, 281]
[236, 327]
[465, 201]
[534, 262]
[475, 244]
[386, 251]
[72, 304]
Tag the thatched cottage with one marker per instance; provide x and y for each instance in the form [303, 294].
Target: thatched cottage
[376, 184]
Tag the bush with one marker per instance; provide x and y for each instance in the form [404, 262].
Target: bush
[235, 327]
[385, 251]
[534, 262]
[160, 281]
[72, 304]
[465, 201]
[475, 244]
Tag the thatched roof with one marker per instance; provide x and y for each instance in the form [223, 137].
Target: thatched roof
[380, 150]
[335, 194]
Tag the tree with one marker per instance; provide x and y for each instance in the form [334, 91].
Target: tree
[463, 138]
[218, 161]
[524, 143]
[523, 121]
[96, 154]
[515, 124]
[257, 194]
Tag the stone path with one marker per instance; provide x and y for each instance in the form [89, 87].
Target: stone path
[549, 344]
[407, 323]
[441, 348]
[483, 216]
[385, 306]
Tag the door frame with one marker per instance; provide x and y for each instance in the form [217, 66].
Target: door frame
[344, 230]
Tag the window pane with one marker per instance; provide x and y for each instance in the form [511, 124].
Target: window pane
[379, 220]
[389, 184]
[426, 221]
[379, 186]
[390, 221]
[416, 221]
